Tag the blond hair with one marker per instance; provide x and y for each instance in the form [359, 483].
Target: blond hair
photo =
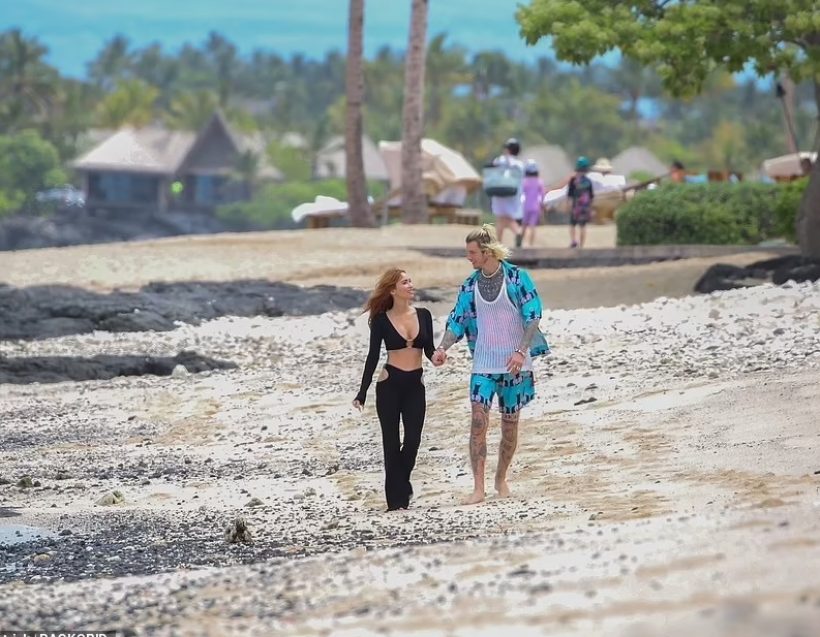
[487, 241]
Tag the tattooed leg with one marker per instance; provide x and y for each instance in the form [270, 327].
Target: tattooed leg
[509, 441]
[478, 450]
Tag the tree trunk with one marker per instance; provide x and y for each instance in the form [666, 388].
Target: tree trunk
[808, 216]
[359, 208]
[413, 197]
[816, 147]
[788, 111]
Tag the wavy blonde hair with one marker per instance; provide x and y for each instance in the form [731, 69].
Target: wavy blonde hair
[487, 241]
[380, 299]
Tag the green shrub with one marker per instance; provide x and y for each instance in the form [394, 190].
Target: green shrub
[28, 163]
[791, 195]
[717, 213]
[272, 205]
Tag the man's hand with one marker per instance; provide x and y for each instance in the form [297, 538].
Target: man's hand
[357, 405]
[515, 362]
[439, 357]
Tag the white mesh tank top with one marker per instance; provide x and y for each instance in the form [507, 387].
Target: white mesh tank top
[500, 330]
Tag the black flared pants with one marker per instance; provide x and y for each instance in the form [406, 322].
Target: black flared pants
[401, 396]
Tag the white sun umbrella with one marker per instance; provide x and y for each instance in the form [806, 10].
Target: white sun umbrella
[601, 184]
[322, 205]
[787, 165]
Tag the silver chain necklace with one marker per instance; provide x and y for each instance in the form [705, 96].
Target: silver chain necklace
[489, 286]
[490, 276]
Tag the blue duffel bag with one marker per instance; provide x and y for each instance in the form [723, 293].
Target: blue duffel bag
[502, 180]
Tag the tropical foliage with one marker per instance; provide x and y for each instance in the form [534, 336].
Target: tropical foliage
[718, 213]
[28, 163]
[473, 100]
[686, 43]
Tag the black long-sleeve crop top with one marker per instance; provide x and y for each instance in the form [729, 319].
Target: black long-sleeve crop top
[381, 329]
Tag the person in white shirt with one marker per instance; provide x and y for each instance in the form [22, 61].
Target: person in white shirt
[509, 211]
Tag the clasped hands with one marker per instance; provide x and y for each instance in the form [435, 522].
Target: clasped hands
[439, 357]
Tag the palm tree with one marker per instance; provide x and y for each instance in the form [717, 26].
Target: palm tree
[28, 86]
[634, 81]
[446, 69]
[384, 94]
[112, 64]
[491, 70]
[222, 54]
[191, 110]
[132, 102]
[153, 66]
[413, 197]
[71, 115]
[360, 213]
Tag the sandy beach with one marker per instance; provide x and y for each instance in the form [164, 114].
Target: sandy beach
[344, 258]
[667, 481]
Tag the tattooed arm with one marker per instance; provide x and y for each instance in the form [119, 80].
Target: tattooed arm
[529, 331]
[448, 340]
[455, 323]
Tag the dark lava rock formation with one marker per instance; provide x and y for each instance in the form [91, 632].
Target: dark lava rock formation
[58, 310]
[722, 276]
[55, 369]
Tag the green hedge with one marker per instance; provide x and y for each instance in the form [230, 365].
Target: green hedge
[717, 213]
[786, 210]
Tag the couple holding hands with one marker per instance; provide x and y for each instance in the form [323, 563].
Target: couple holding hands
[498, 310]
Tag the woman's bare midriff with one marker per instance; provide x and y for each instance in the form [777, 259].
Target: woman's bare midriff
[406, 359]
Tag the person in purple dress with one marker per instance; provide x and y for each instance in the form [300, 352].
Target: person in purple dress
[533, 195]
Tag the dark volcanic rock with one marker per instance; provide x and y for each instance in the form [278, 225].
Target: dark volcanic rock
[55, 369]
[800, 272]
[75, 227]
[58, 310]
[147, 321]
[722, 276]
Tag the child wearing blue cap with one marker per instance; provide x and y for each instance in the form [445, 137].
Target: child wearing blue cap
[580, 194]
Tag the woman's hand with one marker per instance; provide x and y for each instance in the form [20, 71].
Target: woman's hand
[515, 362]
[439, 357]
[357, 405]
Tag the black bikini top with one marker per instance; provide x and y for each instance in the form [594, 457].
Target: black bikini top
[382, 329]
[393, 340]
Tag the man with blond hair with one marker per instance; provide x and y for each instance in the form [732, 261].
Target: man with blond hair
[498, 309]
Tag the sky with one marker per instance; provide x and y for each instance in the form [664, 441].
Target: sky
[75, 30]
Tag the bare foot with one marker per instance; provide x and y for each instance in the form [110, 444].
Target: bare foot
[474, 498]
[503, 489]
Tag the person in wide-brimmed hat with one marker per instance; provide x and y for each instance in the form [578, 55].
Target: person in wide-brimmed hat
[603, 166]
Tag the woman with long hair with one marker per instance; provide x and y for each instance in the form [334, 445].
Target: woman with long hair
[407, 331]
